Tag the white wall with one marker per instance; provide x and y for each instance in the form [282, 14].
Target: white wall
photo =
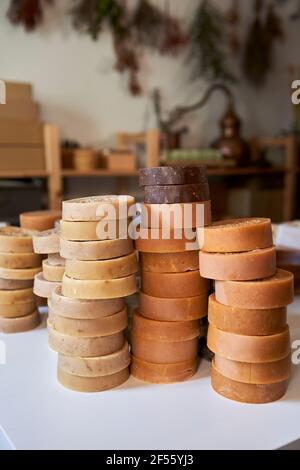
[74, 81]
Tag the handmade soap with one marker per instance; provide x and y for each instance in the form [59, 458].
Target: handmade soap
[250, 322]
[16, 240]
[20, 274]
[273, 292]
[172, 194]
[105, 269]
[170, 262]
[97, 208]
[42, 287]
[20, 324]
[175, 241]
[249, 265]
[54, 259]
[177, 285]
[39, 220]
[252, 349]
[92, 231]
[184, 215]
[163, 373]
[92, 384]
[12, 284]
[247, 393]
[172, 309]
[53, 273]
[9, 297]
[46, 242]
[166, 175]
[20, 260]
[16, 310]
[95, 250]
[236, 235]
[101, 289]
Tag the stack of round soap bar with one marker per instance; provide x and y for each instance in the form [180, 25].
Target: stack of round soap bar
[248, 330]
[47, 243]
[87, 315]
[18, 266]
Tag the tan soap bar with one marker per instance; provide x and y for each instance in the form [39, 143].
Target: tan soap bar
[105, 269]
[97, 208]
[84, 309]
[252, 349]
[54, 259]
[247, 393]
[44, 288]
[95, 366]
[273, 292]
[177, 285]
[20, 260]
[178, 241]
[172, 309]
[94, 230]
[105, 326]
[101, 289]
[95, 250]
[249, 265]
[10, 297]
[39, 220]
[17, 309]
[165, 331]
[12, 284]
[170, 262]
[237, 235]
[266, 373]
[92, 384]
[80, 346]
[163, 352]
[27, 274]
[53, 273]
[16, 240]
[163, 373]
[184, 215]
[46, 242]
[20, 324]
[250, 322]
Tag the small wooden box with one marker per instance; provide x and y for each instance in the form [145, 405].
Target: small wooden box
[122, 160]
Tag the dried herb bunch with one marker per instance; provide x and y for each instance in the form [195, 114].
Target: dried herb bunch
[28, 13]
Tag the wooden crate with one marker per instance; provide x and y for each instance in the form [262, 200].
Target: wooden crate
[121, 160]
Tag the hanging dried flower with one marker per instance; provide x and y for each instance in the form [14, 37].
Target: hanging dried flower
[28, 13]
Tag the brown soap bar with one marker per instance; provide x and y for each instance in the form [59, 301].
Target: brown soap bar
[11, 297]
[232, 236]
[176, 216]
[39, 220]
[252, 349]
[250, 322]
[173, 241]
[172, 309]
[247, 393]
[249, 265]
[168, 175]
[20, 324]
[170, 262]
[273, 292]
[177, 285]
[163, 373]
[267, 373]
[163, 352]
[17, 310]
[173, 194]
[165, 331]
[92, 384]
[12, 284]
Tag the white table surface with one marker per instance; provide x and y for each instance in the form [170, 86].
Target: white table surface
[38, 413]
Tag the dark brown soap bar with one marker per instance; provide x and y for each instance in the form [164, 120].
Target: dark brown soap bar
[172, 194]
[168, 175]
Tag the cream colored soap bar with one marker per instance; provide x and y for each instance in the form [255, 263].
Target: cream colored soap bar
[195, 214]
[53, 273]
[44, 288]
[39, 220]
[54, 259]
[97, 208]
[170, 262]
[20, 324]
[17, 310]
[172, 309]
[92, 384]
[105, 269]
[12, 284]
[94, 230]
[20, 274]
[178, 285]
[20, 260]
[95, 250]
[102, 289]
[16, 240]
[163, 373]
[46, 242]
[11, 297]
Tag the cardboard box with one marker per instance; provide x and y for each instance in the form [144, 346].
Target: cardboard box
[21, 132]
[22, 159]
[121, 160]
[20, 110]
[18, 91]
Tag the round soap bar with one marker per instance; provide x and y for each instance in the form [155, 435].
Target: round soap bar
[16, 240]
[101, 289]
[42, 287]
[79, 346]
[10, 297]
[83, 309]
[20, 260]
[20, 324]
[95, 366]
[163, 352]
[52, 273]
[252, 349]
[247, 393]
[176, 216]
[168, 175]
[39, 220]
[104, 326]
[46, 242]
[249, 322]
[232, 236]
[54, 259]
[93, 230]
[97, 208]
[92, 384]
[20, 274]
[105, 269]
[172, 309]
[163, 373]
[177, 285]
[165, 331]
[249, 265]
[17, 309]
[12, 284]
[170, 262]
[267, 373]
[273, 292]
[173, 194]
[175, 241]
[95, 250]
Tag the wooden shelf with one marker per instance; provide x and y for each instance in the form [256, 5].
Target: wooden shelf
[96, 173]
[246, 171]
[23, 174]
